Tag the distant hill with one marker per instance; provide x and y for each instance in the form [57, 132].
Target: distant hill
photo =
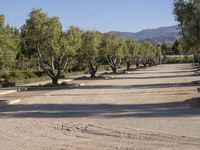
[156, 36]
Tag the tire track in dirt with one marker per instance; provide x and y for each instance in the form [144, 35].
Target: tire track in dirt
[126, 138]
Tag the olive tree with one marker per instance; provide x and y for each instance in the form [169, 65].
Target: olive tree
[145, 52]
[152, 55]
[54, 47]
[89, 51]
[131, 53]
[112, 50]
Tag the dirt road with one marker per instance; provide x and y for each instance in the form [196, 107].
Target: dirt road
[147, 109]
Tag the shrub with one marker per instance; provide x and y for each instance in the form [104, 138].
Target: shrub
[7, 84]
[178, 59]
[32, 80]
[40, 73]
[18, 75]
[29, 75]
[9, 77]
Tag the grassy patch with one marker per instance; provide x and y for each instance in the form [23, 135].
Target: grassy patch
[32, 80]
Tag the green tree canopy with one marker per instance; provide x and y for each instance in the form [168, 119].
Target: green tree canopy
[54, 47]
[90, 51]
[145, 52]
[9, 44]
[177, 47]
[187, 13]
[131, 52]
[112, 50]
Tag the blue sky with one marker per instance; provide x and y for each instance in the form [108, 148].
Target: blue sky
[102, 15]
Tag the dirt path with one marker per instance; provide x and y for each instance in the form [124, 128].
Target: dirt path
[142, 110]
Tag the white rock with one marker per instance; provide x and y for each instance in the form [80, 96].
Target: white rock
[82, 84]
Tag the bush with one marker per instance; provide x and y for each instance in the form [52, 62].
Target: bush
[12, 76]
[8, 76]
[40, 73]
[32, 80]
[7, 84]
[178, 59]
[18, 75]
[29, 75]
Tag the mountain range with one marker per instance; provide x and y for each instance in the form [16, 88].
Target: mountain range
[156, 36]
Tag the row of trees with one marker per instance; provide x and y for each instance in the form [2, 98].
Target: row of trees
[187, 13]
[41, 43]
[177, 48]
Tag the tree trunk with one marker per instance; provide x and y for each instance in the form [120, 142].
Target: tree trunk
[114, 69]
[144, 64]
[92, 70]
[159, 60]
[128, 65]
[55, 81]
[113, 64]
[92, 74]
[137, 65]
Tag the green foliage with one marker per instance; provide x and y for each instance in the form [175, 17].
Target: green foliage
[178, 59]
[177, 48]
[42, 48]
[89, 52]
[54, 47]
[146, 52]
[131, 52]
[112, 49]
[29, 75]
[17, 75]
[32, 80]
[166, 48]
[187, 13]
[9, 41]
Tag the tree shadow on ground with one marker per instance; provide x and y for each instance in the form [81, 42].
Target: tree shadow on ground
[162, 72]
[134, 86]
[173, 109]
[152, 77]
[140, 86]
[3, 102]
[162, 92]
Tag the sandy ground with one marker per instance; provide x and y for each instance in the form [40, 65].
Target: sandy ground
[141, 110]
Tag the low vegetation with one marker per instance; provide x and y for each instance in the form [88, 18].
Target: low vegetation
[177, 59]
